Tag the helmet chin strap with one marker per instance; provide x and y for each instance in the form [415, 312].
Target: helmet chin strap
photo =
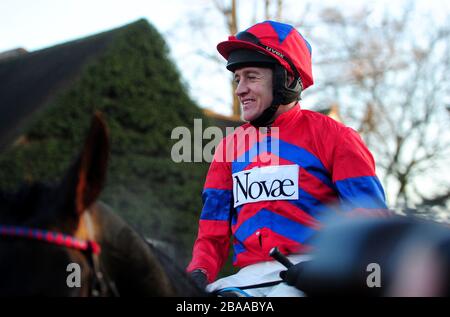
[283, 94]
[267, 117]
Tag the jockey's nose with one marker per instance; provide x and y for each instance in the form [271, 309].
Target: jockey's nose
[241, 88]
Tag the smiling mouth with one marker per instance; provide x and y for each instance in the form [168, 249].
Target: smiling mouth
[247, 102]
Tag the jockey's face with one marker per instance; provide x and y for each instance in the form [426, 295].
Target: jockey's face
[254, 90]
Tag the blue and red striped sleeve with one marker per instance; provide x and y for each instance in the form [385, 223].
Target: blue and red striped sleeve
[211, 247]
[353, 174]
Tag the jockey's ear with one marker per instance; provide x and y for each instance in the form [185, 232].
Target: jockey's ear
[85, 179]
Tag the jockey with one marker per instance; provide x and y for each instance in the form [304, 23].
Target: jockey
[276, 178]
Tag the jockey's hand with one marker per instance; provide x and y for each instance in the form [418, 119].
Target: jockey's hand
[199, 278]
[292, 276]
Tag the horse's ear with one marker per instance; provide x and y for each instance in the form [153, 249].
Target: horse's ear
[84, 181]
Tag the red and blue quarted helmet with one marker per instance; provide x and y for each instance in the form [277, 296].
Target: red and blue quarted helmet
[279, 41]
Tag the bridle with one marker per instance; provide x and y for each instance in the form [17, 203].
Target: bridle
[100, 285]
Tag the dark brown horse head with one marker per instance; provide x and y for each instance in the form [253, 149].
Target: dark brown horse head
[57, 240]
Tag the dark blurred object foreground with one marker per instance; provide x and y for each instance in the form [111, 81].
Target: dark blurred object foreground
[398, 256]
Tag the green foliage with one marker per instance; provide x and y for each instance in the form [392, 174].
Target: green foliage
[139, 91]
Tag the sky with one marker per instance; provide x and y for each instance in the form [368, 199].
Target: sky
[36, 24]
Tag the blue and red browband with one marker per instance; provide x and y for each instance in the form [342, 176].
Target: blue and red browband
[51, 237]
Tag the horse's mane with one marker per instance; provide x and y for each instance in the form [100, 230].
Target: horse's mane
[183, 285]
[123, 241]
[21, 203]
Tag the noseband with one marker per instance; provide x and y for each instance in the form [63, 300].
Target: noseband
[100, 284]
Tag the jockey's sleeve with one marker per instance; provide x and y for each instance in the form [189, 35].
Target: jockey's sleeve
[211, 247]
[353, 174]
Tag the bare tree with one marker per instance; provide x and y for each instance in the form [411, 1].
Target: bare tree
[229, 12]
[391, 80]
[275, 14]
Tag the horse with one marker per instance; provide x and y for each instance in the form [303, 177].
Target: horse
[59, 240]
